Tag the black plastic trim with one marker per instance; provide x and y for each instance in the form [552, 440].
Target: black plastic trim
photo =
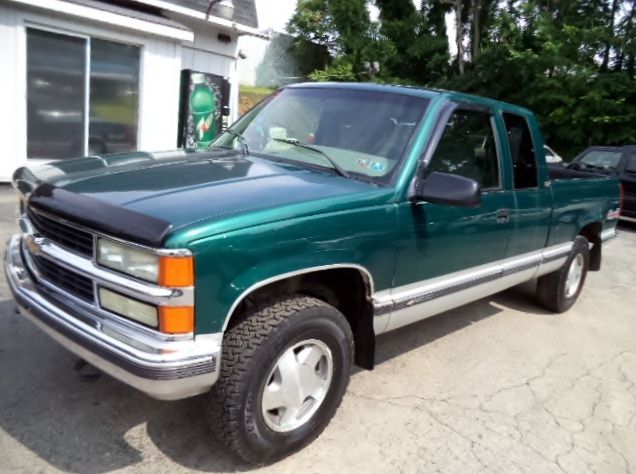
[100, 216]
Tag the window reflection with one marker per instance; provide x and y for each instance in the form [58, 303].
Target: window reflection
[55, 95]
[57, 98]
[114, 97]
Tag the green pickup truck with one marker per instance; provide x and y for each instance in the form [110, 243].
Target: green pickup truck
[261, 268]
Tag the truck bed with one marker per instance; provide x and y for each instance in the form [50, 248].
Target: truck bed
[580, 198]
[560, 172]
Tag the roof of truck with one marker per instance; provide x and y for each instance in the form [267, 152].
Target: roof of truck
[428, 93]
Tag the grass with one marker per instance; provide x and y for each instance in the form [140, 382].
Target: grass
[249, 96]
[255, 90]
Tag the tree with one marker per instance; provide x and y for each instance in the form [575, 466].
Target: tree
[570, 61]
[342, 26]
[417, 38]
[626, 50]
[459, 34]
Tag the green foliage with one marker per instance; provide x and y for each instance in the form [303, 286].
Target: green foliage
[570, 61]
[420, 45]
[338, 72]
[342, 26]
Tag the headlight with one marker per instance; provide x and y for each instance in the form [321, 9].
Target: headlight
[128, 260]
[170, 271]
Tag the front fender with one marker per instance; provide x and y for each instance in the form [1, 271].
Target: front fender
[229, 266]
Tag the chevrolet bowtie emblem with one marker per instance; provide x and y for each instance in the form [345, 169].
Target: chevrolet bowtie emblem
[33, 244]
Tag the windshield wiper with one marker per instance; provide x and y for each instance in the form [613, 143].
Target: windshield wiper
[240, 138]
[294, 141]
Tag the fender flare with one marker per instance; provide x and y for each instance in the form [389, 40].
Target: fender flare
[364, 272]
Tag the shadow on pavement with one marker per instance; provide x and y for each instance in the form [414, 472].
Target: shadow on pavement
[408, 338]
[81, 426]
[629, 227]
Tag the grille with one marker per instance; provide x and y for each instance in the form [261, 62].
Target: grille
[73, 239]
[67, 280]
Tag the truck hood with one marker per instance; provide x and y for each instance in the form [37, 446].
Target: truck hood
[186, 187]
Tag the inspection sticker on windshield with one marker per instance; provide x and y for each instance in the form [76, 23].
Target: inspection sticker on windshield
[374, 166]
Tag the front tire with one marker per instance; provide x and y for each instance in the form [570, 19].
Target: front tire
[559, 290]
[284, 371]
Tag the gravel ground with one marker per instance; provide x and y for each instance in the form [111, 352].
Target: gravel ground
[496, 386]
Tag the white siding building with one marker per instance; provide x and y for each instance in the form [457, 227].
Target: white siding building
[86, 76]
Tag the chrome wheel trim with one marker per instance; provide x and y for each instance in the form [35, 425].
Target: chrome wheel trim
[574, 277]
[297, 385]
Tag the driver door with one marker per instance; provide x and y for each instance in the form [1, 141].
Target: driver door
[441, 246]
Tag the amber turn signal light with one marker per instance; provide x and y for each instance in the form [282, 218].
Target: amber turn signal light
[176, 271]
[176, 319]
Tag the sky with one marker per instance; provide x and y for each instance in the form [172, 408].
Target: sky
[276, 13]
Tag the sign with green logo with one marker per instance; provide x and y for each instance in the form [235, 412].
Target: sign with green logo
[202, 99]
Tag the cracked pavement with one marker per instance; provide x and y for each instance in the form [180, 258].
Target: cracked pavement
[499, 385]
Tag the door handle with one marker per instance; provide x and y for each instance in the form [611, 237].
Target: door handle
[503, 216]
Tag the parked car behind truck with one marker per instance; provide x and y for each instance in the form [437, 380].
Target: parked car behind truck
[261, 268]
[614, 161]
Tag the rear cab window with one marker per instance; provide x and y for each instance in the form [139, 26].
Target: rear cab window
[522, 151]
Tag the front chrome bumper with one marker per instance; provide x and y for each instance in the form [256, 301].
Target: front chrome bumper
[166, 369]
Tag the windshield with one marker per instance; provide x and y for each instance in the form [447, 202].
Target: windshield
[600, 160]
[365, 133]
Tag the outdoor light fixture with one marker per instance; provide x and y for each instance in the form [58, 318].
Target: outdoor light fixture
[225, 9]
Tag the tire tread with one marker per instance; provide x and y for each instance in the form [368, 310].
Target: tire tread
[239, 345]
[550, 287]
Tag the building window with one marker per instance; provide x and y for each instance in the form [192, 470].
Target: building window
[71, 78]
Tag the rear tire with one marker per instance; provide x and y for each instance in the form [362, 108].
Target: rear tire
[559, 290]
[284, 371]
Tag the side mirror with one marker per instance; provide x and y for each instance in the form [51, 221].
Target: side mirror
[449, 189]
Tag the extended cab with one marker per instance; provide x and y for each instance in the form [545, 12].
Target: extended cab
[261, 268]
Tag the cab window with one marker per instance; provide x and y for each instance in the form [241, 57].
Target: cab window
[468, 148]
[524, 158]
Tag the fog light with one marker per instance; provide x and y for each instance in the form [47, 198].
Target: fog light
[128, 307]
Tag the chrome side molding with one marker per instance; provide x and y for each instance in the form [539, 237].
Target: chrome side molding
[410, 303]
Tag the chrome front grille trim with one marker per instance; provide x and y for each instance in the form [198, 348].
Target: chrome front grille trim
[146, 292]
[62, 232]
[71, 282]
[125, 329]
[162, 365]
[35, 244]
